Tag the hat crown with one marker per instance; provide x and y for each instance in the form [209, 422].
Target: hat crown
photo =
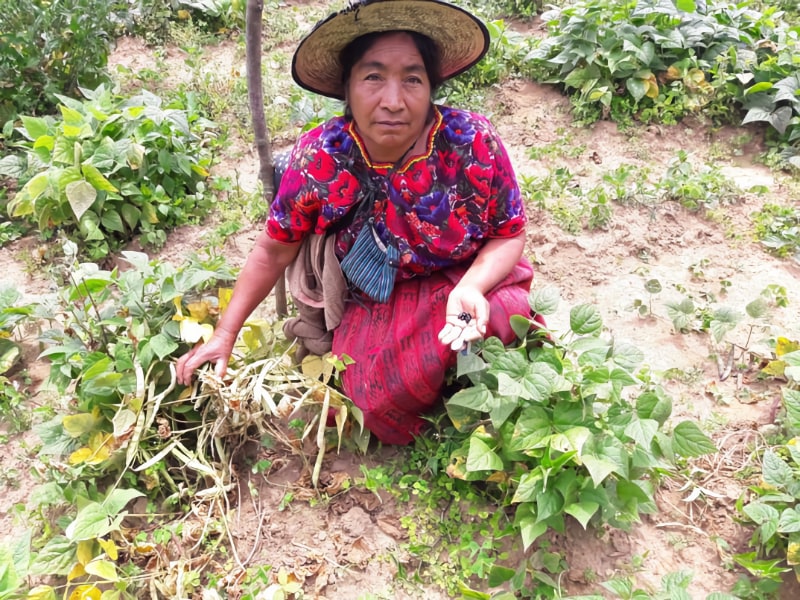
[461, 37]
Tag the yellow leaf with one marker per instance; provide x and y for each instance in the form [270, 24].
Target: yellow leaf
[85, 592]
[110, 548]
[77, 425]
[312, 366]
[673, 74]
[178, 308]
[785, 346]
[104, 569]
[192, 331]
[99, 439]
[292, 588]
[77, 571]
[775, 368]
[696, 76]
[199, 310]
[85, 551]
[224, 295]
[652, 87]
[793, 553]
[149, 213]
[255, 333]
[80, 456]
[183, 14]
[41, 592]
[498, 477]
[457, 468]
[98, 456]
[289, 581]
[95, 453]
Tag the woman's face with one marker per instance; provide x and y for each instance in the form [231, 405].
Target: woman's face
[389, 95]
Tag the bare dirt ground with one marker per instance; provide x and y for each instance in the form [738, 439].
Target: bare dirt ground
[352, 546]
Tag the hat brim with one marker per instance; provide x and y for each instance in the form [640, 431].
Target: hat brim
[461, 37]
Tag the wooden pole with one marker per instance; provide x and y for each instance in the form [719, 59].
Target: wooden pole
[255, 95]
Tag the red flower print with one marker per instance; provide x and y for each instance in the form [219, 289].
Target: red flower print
[342, 192]
[419, 179]
[482, 148]
[447, 172]
[321, 166]
[480, 178]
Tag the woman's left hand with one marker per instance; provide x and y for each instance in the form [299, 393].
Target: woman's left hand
[466, 318]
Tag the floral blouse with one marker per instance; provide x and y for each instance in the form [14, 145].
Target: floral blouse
[437, 209]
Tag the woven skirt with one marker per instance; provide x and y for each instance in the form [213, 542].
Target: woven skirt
[400, 365]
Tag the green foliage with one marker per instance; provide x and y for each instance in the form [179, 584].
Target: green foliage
[772, 95]
[458, 531]
[50, 48]
[148, 19]
[505, 57]
[12, 394]
[778, 228]
[696, 186]
[13, 412]
[216, 15]
[567, 428]
[155, 20]
[112, 342]
[773, 505]
[661, 60]
[13, 566]
[603, 50]
[674, 586]
[12, 314]
[111, 337]
[116, 327]
[111, 168]
[574, 207]
[85, 550]
[538, 433]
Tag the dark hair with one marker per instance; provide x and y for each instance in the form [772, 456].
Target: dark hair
[427, 48]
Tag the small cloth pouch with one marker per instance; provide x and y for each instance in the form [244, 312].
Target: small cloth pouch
[371, 265]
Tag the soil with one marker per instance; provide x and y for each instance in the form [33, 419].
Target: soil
[352, 546]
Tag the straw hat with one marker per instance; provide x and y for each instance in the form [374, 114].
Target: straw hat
[461, 37]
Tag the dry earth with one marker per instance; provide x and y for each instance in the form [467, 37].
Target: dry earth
[351, 546]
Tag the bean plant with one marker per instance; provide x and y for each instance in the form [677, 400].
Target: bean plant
[110, 168]
[567, 427]
[663, 60]
[51, 48]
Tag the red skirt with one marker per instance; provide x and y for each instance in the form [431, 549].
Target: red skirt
[400, 365]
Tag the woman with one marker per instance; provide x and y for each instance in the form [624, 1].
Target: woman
[418, 202]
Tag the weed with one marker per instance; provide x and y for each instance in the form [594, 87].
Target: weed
[778, 228]
[696, 188]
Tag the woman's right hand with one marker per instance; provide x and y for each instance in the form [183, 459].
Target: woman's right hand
[216, 351]
[265, 264]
